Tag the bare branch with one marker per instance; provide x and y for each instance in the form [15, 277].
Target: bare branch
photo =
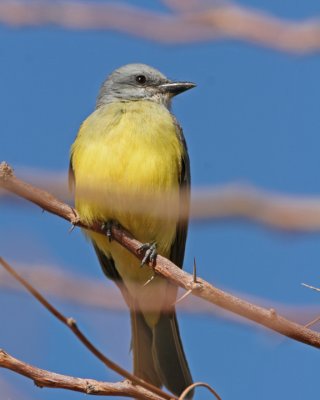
[71, 323]
[190, 22]
[164, 267]
[43, 378]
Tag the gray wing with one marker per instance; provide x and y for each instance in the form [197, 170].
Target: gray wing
[167, 349]
[71, 177]
[179, 244]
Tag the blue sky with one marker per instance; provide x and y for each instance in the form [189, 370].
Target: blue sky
[254, 117]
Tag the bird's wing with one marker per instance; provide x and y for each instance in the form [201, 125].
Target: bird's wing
[168, 353]
[178, 246]
[109, 269]
[71, 177]
[179, 243]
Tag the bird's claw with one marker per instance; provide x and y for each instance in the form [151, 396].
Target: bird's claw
[107, 228]
[150, 253]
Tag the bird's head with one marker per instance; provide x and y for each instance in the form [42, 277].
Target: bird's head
[140, 82]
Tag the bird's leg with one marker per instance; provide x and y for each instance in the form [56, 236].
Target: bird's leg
[107, 227]
[150, 252]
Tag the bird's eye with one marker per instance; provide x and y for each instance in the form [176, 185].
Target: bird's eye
[141, 79]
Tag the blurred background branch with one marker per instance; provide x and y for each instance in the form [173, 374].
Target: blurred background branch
[187, 22]
[9, 391]
[237, 201]
[85, 292]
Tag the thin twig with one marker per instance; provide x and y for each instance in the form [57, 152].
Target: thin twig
[313, 322]
[164, 267]
[43, 378]
[71, 323]
[311, 287]
[194, 271]
[184, 296]
[197, 384]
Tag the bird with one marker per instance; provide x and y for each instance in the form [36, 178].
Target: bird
[132, 145]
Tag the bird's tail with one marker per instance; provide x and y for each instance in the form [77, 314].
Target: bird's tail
[158, 354]
[141, 343]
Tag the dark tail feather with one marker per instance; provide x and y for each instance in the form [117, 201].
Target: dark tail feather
[169, 357]
[143, 364]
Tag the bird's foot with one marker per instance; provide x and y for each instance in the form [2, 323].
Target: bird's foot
[106, 227]
[150, 253]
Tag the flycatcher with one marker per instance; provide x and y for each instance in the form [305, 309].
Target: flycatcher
[131, 147]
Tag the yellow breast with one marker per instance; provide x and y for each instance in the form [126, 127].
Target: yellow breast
[127, 151]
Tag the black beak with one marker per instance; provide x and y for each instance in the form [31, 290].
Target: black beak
[175, 88]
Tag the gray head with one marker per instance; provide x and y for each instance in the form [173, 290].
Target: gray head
[134, 82]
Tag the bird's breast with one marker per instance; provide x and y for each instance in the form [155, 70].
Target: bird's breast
[127, 162]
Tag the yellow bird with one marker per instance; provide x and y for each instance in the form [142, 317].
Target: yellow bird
[131, 150]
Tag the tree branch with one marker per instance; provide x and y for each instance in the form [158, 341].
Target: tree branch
[72, 325]
[193, 22]
[70, 322]
[43, 378]
[165, 268]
